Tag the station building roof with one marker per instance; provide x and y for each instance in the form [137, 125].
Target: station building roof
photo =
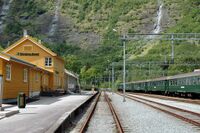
[71, 74]
[27, 37]
[9, 57]
[184, 75]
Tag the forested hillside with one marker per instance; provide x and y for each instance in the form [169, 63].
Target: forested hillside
[82, 31]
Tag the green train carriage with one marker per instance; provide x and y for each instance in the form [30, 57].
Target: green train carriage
[187, 84]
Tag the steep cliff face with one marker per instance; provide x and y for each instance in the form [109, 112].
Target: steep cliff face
[43, 19]
[86, 22]
[83, 23]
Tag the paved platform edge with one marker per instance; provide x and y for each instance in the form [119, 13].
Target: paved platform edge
[8, 113]
[67, 116]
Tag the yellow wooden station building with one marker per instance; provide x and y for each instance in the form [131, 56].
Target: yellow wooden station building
[28, 66]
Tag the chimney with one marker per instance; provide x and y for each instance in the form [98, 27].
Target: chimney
[25, 33]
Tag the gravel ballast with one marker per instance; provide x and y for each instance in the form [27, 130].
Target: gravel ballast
[139, 118]
[102, 121]
[178, 104]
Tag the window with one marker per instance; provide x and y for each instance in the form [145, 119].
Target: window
[25, 75]
[48, 61]
[28, 48]
[8, 72]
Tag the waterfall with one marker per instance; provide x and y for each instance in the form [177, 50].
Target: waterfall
[4, 12]
[54, 23]
[157, 25]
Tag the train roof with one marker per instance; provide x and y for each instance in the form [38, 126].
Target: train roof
[169, 77]
[185, 75]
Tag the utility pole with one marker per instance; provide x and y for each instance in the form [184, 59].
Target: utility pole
[149, 69]
[124, 67]
[113, 80]
[108, 78]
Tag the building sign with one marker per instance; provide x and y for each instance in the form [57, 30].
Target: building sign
[27, 54]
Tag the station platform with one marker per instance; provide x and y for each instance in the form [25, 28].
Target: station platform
[40, 115]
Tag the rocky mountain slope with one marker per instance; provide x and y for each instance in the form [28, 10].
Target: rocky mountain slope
[82, 30]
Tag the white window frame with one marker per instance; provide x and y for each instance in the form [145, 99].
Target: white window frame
[8, 70]
[47, 62]
[25, 75]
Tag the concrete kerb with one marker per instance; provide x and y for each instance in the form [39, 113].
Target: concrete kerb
[8, 113]
[65, 120]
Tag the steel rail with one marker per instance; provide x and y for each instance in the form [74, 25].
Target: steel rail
[85, 124]
[192, 101]
[165, 105]
[115, 116]
[144, 101]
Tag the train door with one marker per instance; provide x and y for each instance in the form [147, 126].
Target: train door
[166, 86]
[1, 90]
[146, 87]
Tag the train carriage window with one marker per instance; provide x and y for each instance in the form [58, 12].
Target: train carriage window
[198, 80]
[184, 81]
[191, 80]
[175, 82]
[171, 82]
[178, 81]
[188, 81]
[195, 81]
[161, 83]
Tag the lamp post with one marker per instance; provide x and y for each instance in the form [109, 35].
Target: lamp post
[113, 78]
[124, 68]
[124, 65]
[109, 78]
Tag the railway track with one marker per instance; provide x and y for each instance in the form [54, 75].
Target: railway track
[170, 98]
[185, 115]
[91, 113]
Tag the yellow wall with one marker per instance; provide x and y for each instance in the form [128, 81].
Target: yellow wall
[1, 66]
[37, 60]
[35, 84]
[12, 87]
[45, 82]
[57, 64]
[16, 84]
[59, 73]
